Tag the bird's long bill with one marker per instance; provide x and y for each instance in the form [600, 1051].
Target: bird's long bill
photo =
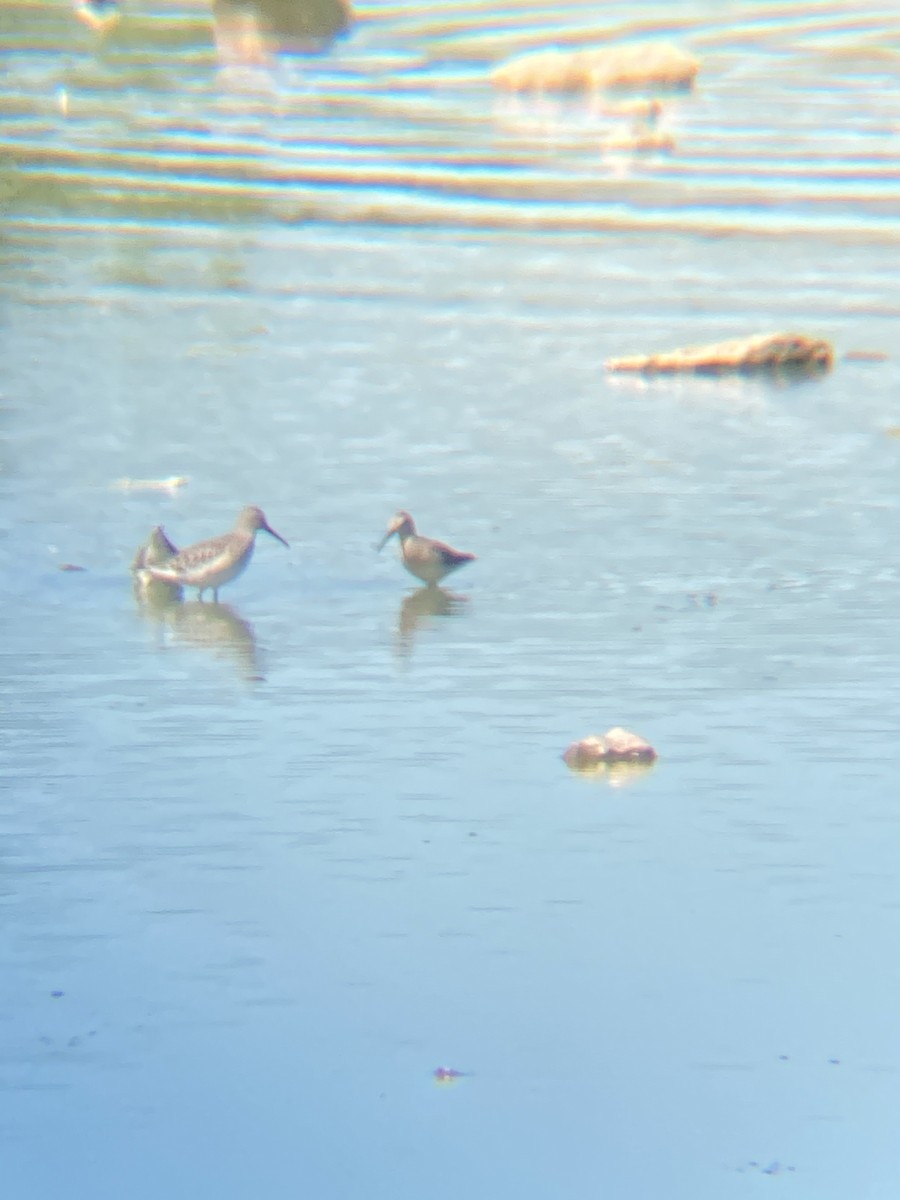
[268, 528]
[387, 537]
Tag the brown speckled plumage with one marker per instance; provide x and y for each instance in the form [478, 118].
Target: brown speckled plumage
[217, 561]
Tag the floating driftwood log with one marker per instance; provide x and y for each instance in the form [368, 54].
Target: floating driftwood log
[629, 66]
[616, 745]
[151, 485]
[761, 352]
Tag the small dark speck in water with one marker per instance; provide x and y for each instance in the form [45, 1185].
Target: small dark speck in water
[834, 1062]
[70, 567]
[783, 1058]
[56, 995]
[774, 1168]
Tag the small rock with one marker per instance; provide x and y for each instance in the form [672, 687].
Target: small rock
[616, 745]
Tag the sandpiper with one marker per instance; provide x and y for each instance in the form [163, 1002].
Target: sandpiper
[423, 557]
[213, 563]
[155, 551]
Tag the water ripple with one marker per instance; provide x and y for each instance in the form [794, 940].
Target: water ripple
[791, 129]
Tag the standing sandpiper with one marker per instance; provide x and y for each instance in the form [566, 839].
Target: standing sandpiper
[423, 557]
[215, 562]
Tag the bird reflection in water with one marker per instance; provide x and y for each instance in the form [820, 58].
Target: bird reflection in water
[208, 625]
[416, 611]
[218, 627]
[152, 592]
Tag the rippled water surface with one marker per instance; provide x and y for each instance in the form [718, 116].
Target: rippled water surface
[267, 864]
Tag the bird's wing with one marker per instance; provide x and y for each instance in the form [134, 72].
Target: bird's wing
[199, 555]
[448, 555]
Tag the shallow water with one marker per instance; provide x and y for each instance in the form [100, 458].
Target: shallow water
[265, 865]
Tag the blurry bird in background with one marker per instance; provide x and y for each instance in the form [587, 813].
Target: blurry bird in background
[98, 14]
[248, 31]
